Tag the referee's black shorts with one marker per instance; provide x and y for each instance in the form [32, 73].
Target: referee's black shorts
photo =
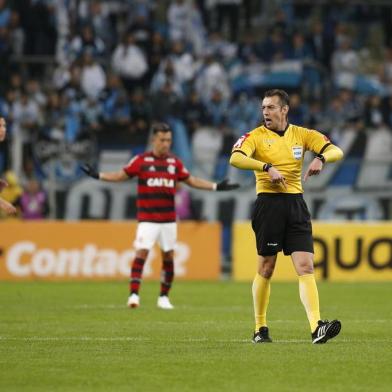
[281, 221]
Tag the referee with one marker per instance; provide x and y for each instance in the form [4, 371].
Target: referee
[281, 220]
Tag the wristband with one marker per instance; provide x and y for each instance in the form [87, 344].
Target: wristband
[266, 167]
[321, 157]
[214, 185]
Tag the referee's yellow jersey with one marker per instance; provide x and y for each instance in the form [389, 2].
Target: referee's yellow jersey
[285, 151]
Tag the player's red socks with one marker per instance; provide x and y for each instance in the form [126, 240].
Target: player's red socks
[136, 275]
[167, 276]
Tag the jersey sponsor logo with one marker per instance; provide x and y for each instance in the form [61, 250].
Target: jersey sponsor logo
[158, 182]
[272, 244]
[149, 159]
[171, 169]
[240, 141]
[297, 152]
[269, 141]
[170, 160]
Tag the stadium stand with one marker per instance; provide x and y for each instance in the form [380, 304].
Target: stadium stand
[85, 83]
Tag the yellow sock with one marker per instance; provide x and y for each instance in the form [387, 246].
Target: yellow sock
[261, 293]
[310, 299]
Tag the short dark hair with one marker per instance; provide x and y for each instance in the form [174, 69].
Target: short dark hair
[160, 127]
[283, 96]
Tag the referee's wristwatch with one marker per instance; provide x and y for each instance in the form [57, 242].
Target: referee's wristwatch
[266, 167]
[321, 157]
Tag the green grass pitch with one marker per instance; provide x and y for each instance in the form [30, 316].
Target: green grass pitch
[81, 337]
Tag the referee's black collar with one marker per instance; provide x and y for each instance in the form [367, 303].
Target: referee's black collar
[280, 133]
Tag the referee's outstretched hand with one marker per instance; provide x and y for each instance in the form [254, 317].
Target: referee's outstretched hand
[90, 171]
[226, 186]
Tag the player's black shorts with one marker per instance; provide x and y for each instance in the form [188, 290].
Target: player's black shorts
[281, 221]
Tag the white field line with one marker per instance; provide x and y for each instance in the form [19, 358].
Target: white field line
[138, 339]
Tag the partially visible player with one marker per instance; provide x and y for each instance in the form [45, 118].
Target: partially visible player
[3, 129]
[7, 207]
[158, 172]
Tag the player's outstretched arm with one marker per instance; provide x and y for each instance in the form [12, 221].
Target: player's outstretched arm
[199, 183]
[7, 207]
[105, 176]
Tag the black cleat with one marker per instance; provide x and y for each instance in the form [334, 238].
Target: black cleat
[262, 336]
[326, 330]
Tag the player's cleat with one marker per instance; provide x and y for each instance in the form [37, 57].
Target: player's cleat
[164, 303]
[133, 301]
[326, 330]
[262, 336]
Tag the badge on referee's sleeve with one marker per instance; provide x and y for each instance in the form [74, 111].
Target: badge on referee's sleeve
[297, 152]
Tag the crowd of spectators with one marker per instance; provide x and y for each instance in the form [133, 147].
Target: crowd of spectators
[88, 71]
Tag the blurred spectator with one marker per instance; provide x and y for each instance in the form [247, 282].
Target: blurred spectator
[228, 11]
[206, 144]
[92, 76]
[92, 115]
[297, 112]
[142, 32]
[130, 63]
[248, 48]
[183, 203]
[217, 108]
[141, 108]
[244, 114]
[116, 109]
[97, 14]
[167, 74]
[156, 53]
[177, 16]
[5, 15]
[386, 70]
[345, 64]
[320, 44]
[195, 112]
[275, 47]
[196, 32]
[166, 103]
[315, 117]
[219, 47]
[212, 76]
[182, 61]
[34, 91]
[33, 201]
[86, 42]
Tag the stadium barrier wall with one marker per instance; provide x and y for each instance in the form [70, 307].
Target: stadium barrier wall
[100, 250]
[344, 251]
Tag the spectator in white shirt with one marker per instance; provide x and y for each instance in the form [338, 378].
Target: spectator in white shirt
[129, 62]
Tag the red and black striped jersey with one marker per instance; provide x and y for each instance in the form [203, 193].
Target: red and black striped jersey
[157, 180]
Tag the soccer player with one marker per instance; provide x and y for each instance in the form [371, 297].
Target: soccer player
[158, 172]
[4, 204]
[281, 220]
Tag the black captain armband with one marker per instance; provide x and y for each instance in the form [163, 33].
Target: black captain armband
[266, 167]
[321, 157]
